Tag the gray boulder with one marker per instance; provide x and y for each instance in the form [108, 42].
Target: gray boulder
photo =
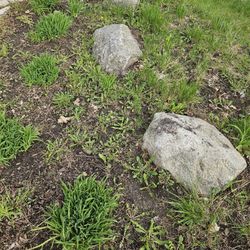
[115, 48]
[132, 3]
[193, 151]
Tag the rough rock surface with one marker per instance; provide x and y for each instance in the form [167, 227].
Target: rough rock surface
[4, 10]
[132, 3]
[193, 151]
[115, 48]
[4, 3]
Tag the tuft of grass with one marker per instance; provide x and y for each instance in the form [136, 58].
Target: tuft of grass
[14, 138]
[75, 7]
[43, 6]
[51, 27]
[150, 237]
[192, 211]
[84, 219]
[42, 70]
[244, 230]
[4, 50]
[11, 205]
[55, 150]
[241, 129]
[63, 99]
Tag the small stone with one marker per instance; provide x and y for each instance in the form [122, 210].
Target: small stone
[193, 151]
[115, 48]
[77, 102]
[132, 3]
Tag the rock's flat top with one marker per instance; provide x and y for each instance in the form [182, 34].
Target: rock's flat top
[193, 151]
[115, 48]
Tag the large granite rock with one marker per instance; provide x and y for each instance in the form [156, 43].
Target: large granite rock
[132, 3]
[193, 151]
[115, 48]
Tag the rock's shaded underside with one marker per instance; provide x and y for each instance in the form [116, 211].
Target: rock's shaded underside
[193, 151]
[115, 48]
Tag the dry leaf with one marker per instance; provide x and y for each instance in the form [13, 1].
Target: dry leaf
[77, 102]
[63, 120]
[213, 228]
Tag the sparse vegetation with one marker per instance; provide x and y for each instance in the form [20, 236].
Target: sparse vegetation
[11, 205]
[195, 62]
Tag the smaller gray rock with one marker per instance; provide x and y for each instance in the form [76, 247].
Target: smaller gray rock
[115, 48]
[4, 10]
[132, 3]
[4, 3]
[193, 151]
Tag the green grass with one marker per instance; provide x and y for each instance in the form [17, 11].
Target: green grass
[51, 27]
[192, 211]
[241, 130]
[151, 17]
[150, 237]
[43, 6]
[14, 138]
[4, 50]
[55, 150]
[11, 205]
[63, 100]
[84, 219]
[42, 70]
[75, 7]
[180, 95]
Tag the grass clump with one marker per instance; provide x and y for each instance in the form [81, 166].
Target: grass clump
[14, 138]
[241, 130]
[11, 205]
[194, 211]
[75, 7]
[85, 218]
[42, 6]
[150, 237]
[63, 100]
[42, 70]
[51, 27]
